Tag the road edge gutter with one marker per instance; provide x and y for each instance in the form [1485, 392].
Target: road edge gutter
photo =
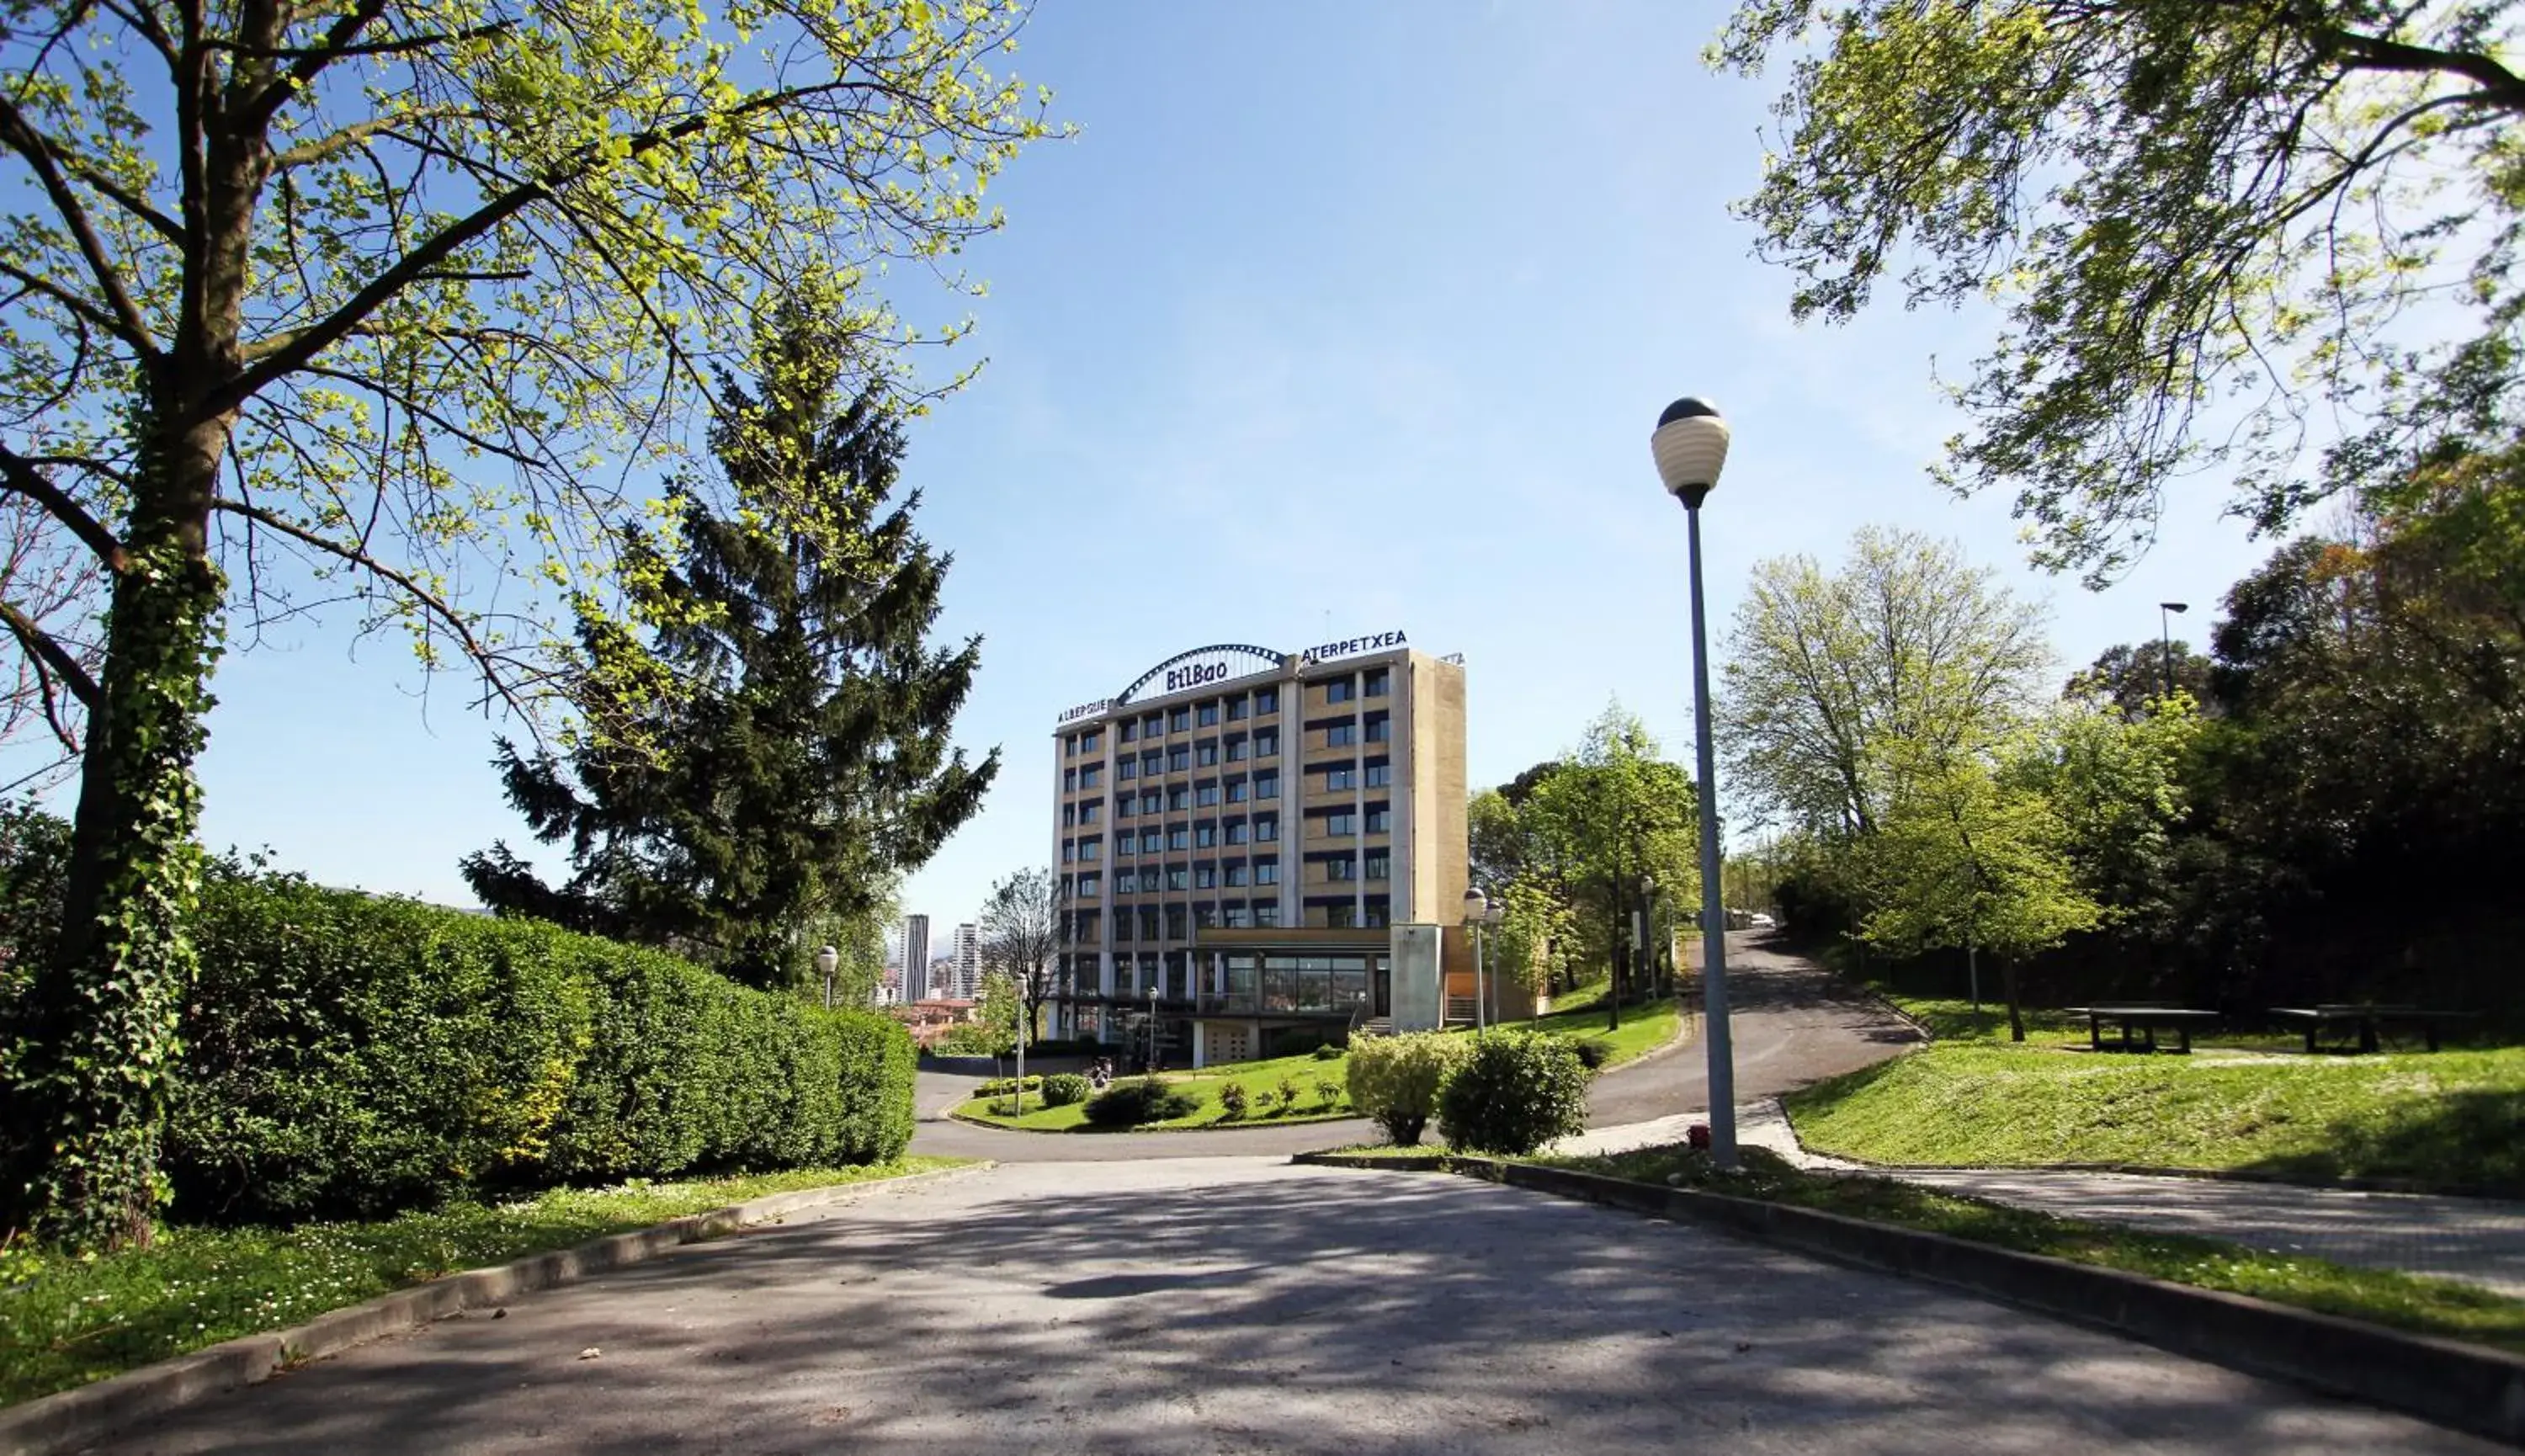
[2465, 1387]
[70, 1419]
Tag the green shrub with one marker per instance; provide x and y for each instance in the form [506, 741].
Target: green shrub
[1327, 1091]
[1395, 1080]
[1129, 1104]
[1288, 1095]
[996, 1086]
[347, 1055]
[1231, 1098]
[1328, 1053]
[1064, 1089]
[1512, 1094]
[1594, 1053]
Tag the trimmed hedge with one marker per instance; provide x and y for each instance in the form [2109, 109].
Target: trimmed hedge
[1514, 1092]
[1063, 1089]
[1129, 1104]
[349, 1056]
[1395, 1080]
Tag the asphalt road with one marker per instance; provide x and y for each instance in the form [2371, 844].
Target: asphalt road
[1793, 1022]
[1241, 1305]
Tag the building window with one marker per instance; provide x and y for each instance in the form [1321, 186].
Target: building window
[1178, 798]
[1341, 735]
[1149, 913]
[1180, 722]
[1152, 726]
[1091, 850]
[1266, 700]
[1204, 835]
[1205, 916]
[1338, 690]
[1124, 806]
[1129, 731]
[1091, 777]
[1266, 872]
[1123, 845]
[1267, 829]
[1205, 754]
[1378, 913]
[1179, 837]
[1341, 778]
[1341, 914]
[1380, 864]
[1152, 765]
[1236, 831]
[1178, 877]
[1126, 883]
[1088, 813]
[1344, 867]
[1070, 816]
[1237, 707]
[1239, 917]
[1379, 775]
[1237, 789]
[1341, 826]
[1068, 853]
[1090, 885]
[1266, 744]
[1267, 785]
[1265, 917]
[1149, 842]
[1070, 780]
[1207, 715]
[1380, 820]
[1237, 748]
[1380, 727]
[1378, 680]
[1236, 874]
[1070, 746]
[1205, 877]
[1205, 795]
[1150, 802]
[1089, 742]
[1179, 760]
[1128, 768]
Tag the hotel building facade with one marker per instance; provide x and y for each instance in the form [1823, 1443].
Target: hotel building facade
[1250, 842]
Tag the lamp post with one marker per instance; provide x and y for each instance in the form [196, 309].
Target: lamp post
[2166, 639]
[1152, 1067]
[1646, 917]
[1477, 908]
[1489, 985]
[1690, 447]
[827, 961]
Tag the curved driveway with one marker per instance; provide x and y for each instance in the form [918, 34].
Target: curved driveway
[1792, 1023]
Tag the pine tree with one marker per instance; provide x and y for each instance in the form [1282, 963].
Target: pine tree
[800, 761]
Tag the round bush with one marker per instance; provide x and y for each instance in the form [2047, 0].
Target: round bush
[1328, 1053]
[1064, 1089]
[1130, 1104]
[1512, 1094]
[1594, 1052]
[1395, 1079]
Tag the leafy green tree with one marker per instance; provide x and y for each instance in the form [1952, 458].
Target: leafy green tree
[1967, 859]
[2188, 213]
[1610, 814]
[2129, 675]
[1907, 642]
[805, 763]
[393, 303]
[1023, 929]
[2121, 787]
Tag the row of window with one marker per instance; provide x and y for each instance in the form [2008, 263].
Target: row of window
[1375, 866]
[1341, 824]
[1377, 773]
[1176, 922]
[1376, 682]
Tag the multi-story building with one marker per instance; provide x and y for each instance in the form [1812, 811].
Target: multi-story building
[915, 957]
[1240, 834]
[968, 960]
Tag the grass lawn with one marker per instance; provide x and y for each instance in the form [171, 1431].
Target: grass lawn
[2426, 1306]
[2444, 1120]
[1644, 1029]
[64, 1322]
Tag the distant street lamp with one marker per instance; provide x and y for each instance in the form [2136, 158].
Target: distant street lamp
[2166, 639]
[827, 961]
[1153, 1025]
[1476, 906]
[1690, 447]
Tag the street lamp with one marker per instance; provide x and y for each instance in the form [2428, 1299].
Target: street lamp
[2166, 639]
[827, 961]
[1477, 907]
[1153, 1026]
[1690, 447]
[1644, 925]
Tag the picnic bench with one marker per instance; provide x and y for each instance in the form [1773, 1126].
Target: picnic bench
[2368, 1019]
[2144, 1020]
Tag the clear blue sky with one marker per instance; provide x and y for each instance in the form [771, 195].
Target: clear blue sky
[1335, 318]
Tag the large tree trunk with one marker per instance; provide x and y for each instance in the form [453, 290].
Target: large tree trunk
[2016, 1009]
[97, 1045]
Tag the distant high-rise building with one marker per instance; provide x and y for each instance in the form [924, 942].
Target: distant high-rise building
[942, 979]
[969, 961]
[915, 957]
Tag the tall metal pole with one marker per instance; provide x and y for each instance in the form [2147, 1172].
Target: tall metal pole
[1713, 912]
[2166, 646]
[1478, 1022]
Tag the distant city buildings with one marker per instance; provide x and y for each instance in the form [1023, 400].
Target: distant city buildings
[969, 961]
[915, 957]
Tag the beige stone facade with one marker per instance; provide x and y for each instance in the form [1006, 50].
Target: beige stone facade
[1238, 830]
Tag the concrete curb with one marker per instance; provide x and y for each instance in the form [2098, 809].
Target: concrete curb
[71, 1420]
[2467, 1387]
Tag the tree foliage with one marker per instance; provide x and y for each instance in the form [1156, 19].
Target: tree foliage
[357, 303]
[802, 760]
[1021, 930]
[2194, 215]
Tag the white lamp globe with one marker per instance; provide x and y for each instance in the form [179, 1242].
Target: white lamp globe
[1475, 903]
[1689, 446]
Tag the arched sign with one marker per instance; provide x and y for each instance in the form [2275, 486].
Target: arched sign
[1201, 666]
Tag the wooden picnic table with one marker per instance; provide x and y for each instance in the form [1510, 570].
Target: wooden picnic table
[2368, 1019]
[2144, 1018]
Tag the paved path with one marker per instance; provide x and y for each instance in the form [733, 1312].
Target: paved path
[1794, 1023]
[2476, 1240]
[1237, 1305]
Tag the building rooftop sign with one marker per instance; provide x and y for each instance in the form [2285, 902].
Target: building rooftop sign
[1354, 646]
[1219, 662]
